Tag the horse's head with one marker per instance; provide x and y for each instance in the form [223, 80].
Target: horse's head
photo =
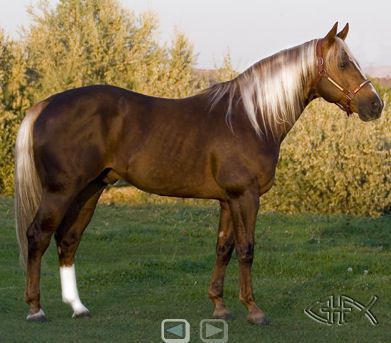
[340, 79]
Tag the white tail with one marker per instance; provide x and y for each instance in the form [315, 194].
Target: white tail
[28, 188]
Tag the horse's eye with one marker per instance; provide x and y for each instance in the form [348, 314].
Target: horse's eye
[343, 65]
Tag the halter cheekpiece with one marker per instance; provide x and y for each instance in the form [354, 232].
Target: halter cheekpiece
[322, 72]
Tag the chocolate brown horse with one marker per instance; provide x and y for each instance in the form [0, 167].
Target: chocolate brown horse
[221, 144]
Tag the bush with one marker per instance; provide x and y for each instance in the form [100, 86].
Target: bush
[333, 164]
[14, 100]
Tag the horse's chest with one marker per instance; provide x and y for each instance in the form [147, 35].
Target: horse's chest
[265, 184]
[266, 173]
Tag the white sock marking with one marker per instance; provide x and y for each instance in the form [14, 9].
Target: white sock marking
[70, 294]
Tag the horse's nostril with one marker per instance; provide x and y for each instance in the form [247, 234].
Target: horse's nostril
[375, 105]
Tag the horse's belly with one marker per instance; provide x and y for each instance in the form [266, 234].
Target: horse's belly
[172, 179]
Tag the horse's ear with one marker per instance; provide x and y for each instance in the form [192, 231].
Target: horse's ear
[344, 32]
[330, 37]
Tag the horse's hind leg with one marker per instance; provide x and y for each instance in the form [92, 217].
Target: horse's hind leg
[49, 215]
[68, 238]
[224, 248]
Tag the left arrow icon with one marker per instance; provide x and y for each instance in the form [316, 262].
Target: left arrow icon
[175, 331]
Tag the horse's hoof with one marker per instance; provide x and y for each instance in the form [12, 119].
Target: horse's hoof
[258, 318]
[36, 317]
[82, 314]
[223, 314]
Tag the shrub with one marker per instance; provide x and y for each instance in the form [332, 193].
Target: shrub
[333, 164]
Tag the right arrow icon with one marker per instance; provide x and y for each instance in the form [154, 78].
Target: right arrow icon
[214, 331]
[211, 330]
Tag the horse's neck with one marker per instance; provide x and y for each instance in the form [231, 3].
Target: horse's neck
[301, 95]
[272, 93]
[285, 128]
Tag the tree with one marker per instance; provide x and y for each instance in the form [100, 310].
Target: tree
[180, 76]
[226, 72]
[84, 42]
[15, 98]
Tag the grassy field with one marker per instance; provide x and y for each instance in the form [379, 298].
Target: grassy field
[140, 264]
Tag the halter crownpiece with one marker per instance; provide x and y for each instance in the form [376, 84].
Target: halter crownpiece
[322, 72]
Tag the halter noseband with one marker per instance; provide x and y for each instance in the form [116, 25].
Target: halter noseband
[322, 72]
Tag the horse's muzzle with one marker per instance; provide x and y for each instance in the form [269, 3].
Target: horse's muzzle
[371, 109]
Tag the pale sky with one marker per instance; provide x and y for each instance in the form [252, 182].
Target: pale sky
[254, 29]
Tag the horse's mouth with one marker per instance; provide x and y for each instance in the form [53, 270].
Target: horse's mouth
[368, 118]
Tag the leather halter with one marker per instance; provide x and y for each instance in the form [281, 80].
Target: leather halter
[322, 72]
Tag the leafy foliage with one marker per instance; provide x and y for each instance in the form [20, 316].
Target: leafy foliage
[14, 99]
[226, 71]
[91, 42]
[333, 164]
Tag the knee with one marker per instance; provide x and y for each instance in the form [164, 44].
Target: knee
[245, 253]
[224, 251]
[67, 241]
[36, 238]
[41, 229]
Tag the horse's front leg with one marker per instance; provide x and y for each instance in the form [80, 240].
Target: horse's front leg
[244, 209]
[224, 248]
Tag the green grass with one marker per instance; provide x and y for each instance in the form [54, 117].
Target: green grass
[138, 265]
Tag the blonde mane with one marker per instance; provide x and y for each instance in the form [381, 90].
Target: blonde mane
[272, 90]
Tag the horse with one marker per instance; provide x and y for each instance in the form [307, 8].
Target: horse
[222, 143]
